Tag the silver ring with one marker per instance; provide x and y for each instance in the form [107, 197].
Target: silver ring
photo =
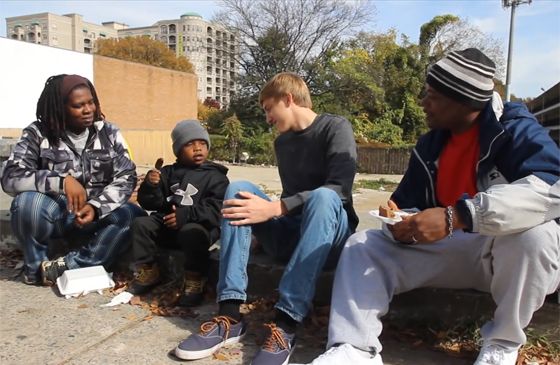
[414, 240]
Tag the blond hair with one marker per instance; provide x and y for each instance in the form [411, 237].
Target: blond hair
[286, 83]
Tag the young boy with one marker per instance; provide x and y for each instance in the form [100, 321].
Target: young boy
[306, 228]
[186, 197]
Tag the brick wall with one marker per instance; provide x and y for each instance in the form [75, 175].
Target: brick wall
[136, 96]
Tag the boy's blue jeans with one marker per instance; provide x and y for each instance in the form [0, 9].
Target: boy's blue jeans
[38, 217]
[307, 242]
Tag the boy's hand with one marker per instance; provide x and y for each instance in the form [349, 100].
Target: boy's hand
[85, 216]
[154, 176]
[75, 194]
[250, 209]
[170, 220]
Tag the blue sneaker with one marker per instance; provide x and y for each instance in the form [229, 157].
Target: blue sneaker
[218, 332]
[277, 347]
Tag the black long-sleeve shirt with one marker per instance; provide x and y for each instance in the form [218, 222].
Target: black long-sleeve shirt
[322, 155]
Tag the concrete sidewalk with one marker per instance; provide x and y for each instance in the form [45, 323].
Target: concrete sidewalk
[38, 327]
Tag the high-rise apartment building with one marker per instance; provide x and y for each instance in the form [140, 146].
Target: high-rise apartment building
[210, 48]
[68, 31]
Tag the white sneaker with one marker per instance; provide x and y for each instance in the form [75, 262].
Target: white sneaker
[496, 355]
[346, 354]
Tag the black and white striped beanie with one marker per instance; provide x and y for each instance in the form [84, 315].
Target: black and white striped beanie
[465, 76]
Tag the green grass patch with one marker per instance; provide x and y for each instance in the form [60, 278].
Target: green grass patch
[379, 184]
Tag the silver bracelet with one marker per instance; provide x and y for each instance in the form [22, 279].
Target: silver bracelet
[449, 214]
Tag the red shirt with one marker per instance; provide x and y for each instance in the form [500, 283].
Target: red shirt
[457, 166]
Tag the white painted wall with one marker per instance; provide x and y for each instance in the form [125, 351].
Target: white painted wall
[24, 68]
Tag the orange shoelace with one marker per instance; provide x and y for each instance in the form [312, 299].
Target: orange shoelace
[275, 338]
[216, 321]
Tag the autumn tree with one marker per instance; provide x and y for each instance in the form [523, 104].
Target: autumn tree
[375, 81]
[143, 50]
[232, 129]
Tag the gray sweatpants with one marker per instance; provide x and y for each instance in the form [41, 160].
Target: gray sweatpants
[519, 270]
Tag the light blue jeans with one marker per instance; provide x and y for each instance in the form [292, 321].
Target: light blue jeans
[308, 242]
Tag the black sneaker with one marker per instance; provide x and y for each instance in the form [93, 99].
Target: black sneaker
[51, 270]
[194, 287]
[218, 332]
[277, 347]
[145, 279]
[31, 279]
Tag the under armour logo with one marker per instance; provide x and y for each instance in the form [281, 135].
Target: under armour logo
[185, 195]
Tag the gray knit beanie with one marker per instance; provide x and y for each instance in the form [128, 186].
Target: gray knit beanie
[186, 131]
[465, 76]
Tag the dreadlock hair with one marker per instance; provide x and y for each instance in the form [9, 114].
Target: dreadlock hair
[51, 109]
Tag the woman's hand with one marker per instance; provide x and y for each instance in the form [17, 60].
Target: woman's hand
[76, 195]
[85, 215]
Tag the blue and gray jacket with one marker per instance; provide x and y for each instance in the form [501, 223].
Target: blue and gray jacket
[104, 167]
[514, 150]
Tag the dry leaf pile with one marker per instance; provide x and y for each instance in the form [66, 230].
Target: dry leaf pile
[160, 302]
[464, 340]
[10, 258]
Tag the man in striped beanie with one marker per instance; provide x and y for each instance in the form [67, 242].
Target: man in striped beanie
[464, 76]
[485, 185]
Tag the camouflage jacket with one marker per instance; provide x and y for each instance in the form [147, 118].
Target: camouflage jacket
[104, 168]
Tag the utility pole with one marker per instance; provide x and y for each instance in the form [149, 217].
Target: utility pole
[513, 4]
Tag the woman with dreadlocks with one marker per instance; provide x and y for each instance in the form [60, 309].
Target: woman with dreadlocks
[71, 176]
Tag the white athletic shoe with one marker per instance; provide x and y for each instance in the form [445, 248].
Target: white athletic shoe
[496, 355]
[346, 354]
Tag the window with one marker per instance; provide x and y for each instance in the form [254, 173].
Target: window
[172, 28]
[163, 29]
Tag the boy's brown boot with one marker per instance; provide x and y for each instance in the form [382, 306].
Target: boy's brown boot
[194, 288]
[145, 279]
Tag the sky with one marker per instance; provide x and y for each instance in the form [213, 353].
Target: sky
[536, 46]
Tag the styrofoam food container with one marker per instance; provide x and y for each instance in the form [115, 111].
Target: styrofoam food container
[84, 280]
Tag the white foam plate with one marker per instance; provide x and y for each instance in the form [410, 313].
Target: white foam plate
[84, 280]
[399, 214]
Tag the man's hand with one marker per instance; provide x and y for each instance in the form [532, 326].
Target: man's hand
[85, 216]
[76, 195]
[402, 231]
[251, 209]
[170, 220]
[429, 225]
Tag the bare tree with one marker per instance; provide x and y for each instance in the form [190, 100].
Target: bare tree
[289, 35]
[457, 34]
